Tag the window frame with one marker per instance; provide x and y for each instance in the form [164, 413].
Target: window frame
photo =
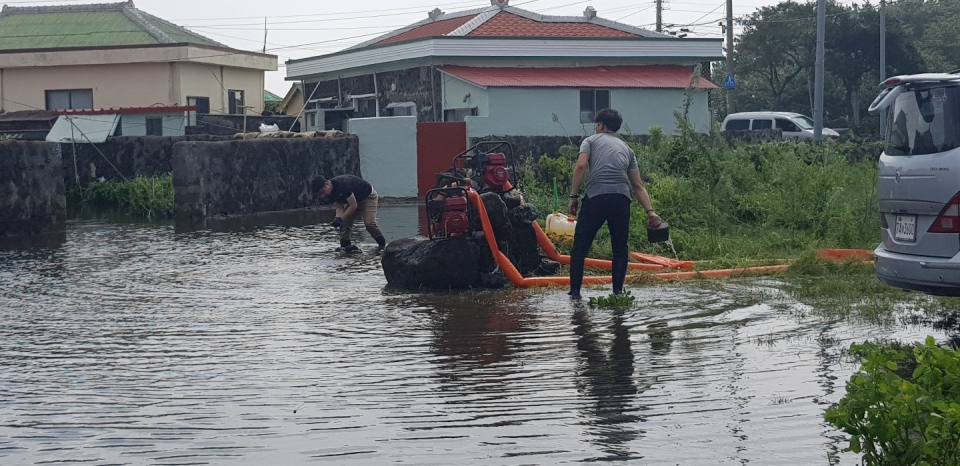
[233, 106]
[70, 99]
[591, 108]
[153, 124]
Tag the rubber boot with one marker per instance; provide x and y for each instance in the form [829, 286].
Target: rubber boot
[619, 272]
[381, 242]
[576, 276]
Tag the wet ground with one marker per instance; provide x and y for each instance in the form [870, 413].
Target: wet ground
[139, 344]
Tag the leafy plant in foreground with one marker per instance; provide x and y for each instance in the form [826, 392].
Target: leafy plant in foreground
[903, 407]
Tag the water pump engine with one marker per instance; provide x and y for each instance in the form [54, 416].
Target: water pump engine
[448, 213]
[495, 174]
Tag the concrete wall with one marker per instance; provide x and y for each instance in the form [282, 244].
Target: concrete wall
[246, 177]
[388, 153]
[529, 112]
[458, 93]
[133, 85]
[121, 157]
[32, 196]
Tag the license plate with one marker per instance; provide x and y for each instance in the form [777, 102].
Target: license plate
[906, 228]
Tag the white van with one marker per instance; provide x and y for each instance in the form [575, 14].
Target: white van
[792, 125]
[918, 183]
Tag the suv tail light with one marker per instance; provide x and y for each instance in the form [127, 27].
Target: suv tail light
[949, 219]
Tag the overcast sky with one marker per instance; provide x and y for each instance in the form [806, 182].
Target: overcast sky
[300, 29]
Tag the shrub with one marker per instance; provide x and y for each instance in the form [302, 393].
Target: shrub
[903, 407]
[149, 197]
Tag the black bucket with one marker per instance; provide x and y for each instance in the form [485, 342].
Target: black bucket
[659, 234]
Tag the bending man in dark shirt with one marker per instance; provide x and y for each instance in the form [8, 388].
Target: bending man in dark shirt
[352, 196]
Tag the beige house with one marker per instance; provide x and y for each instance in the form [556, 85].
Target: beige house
[115, 56]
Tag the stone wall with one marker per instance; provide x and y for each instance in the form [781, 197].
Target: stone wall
[532, 147]
[32, 197]
[228, 125]
[421, 85]
[262, 175]
[752, 137]
[122, 157]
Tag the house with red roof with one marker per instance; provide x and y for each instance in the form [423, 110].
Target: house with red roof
[508, 71]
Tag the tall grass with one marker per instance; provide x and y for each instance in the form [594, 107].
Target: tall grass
[148, 197]
[771, 200]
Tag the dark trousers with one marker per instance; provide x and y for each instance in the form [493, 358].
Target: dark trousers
[614, 209]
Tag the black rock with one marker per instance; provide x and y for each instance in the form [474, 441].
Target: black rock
[418, 262]
[548, 268]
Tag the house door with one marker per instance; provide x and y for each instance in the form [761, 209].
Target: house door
[437, 144]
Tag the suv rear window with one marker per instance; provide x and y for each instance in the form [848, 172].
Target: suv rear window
[924, 121]
[737, 125]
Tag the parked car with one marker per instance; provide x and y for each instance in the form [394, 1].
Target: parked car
[919, 183]
[792, 125]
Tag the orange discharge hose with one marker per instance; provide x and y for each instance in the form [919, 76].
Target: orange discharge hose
[655, 262]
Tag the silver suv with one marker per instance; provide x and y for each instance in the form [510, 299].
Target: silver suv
[919, 183]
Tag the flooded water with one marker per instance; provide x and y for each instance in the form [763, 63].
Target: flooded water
[136, 344]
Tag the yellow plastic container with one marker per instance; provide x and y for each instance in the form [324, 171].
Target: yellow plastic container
[561, 224]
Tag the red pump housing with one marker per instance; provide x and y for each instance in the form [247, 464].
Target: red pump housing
[495, 173]
[454, 221]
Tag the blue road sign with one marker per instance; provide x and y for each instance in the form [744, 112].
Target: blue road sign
[729, 83]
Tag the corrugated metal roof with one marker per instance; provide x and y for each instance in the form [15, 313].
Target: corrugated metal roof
[98, 25]
[271, 97]
[653, 76]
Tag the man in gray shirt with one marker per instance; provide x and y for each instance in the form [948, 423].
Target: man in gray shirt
[614, 175]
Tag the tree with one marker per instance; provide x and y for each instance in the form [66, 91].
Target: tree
[776, 46]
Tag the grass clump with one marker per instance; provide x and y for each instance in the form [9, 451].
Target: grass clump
[616, 302]
[148, 197]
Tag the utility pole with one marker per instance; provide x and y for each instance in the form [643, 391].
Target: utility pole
[731, 93]
[883, 59]
[818, 82]
[659, 15]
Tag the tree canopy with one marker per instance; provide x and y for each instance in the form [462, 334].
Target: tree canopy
[775, 54]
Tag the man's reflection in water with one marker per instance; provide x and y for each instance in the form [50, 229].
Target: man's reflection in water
[606, 376]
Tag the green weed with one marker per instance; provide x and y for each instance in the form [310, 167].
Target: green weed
[765, 201]
[617, 302]
[148, 197]
[903, 405]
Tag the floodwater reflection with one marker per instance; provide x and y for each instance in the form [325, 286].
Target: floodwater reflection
[137, 343]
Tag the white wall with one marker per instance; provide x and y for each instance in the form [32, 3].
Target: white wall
[454, 91]
[529, 112]
[388, 153]
[136, 125]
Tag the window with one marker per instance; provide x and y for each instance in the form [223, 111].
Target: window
[154, 126]
[591, 102]
[235, 101]
[119, 130]
[762, 124]
[69, 99]
[203, 108]
[737, 125]
[459, 114]
[787, 125]
[924, 120]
